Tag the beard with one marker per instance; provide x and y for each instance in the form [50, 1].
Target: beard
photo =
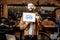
[31, 9]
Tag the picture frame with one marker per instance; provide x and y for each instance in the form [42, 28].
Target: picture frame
[29, 17]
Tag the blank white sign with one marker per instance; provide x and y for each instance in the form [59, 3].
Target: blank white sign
[29, 17]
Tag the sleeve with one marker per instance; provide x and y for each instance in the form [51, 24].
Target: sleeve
[23, 24]
[39, 22]
[39, 18]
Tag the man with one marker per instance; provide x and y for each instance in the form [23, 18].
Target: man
[31, 28]
[57, 19]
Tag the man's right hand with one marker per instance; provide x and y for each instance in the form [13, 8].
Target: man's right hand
[28, 23]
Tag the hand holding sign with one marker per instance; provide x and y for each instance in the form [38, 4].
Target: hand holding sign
[28, 17]
[27, 23]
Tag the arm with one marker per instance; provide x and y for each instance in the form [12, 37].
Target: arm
[39, 22]
[23, 24]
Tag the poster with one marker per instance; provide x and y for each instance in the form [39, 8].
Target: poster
[29, 17]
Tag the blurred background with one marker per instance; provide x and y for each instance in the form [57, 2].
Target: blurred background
[49, 10]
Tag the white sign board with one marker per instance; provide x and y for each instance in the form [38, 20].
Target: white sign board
[29, 17]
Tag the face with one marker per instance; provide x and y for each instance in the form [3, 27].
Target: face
[58, 12]
[31, 7]
[57, 15]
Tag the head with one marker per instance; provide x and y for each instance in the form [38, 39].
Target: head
[31, 6]
[57, 12]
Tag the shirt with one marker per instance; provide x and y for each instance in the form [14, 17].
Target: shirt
[30, 29]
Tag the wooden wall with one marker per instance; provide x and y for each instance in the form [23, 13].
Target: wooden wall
[6, 2]
[26, 1]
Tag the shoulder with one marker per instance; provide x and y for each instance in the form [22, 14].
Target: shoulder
[37, 14]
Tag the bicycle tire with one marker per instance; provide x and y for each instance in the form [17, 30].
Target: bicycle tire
[43, 36]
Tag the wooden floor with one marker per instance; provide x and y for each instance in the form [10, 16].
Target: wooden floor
[10, 37]
[13, 36]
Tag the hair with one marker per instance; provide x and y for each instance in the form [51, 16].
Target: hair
[55, 12]
[32, 4]
[56, 9]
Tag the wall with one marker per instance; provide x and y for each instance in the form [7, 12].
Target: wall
[6, 2]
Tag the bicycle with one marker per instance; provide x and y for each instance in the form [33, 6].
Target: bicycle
[5, 29]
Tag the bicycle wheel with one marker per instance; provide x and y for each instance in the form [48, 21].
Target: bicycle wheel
[43, 36]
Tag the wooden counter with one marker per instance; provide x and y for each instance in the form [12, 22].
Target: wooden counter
[49, 24]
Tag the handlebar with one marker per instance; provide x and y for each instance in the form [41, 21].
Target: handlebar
[5, 28]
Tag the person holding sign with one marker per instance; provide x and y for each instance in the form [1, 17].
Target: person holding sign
[30, 22]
